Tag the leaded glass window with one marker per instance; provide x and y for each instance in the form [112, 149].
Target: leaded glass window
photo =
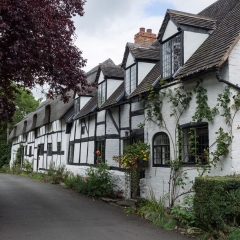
[130, 79]
[71, 153]
[49, 149]
[194, 143]
[77, 105]
[101, 93]
[161, 149]
[171, 56]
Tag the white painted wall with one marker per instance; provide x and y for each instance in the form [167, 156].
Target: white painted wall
[83, 101]
[170, 30]
[144, 69]
[101, 78]
[130, 60]
[157, 177]
[234, 67]
[112, 86]
[192, 41]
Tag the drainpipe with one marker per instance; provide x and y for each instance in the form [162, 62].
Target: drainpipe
[225, 81]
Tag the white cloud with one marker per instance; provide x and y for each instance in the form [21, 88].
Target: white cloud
[108, 25]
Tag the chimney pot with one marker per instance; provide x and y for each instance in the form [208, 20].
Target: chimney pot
[149, 30]
[142, 29]
[145, 38]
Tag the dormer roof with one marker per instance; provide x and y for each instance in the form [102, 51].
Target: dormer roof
[115, 97]
[90, 107]
[217, 47]
[110, 71]
[141, 52]
[183, 19]
[148, 81]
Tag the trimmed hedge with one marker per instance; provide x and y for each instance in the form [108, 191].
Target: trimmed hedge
[217, 201]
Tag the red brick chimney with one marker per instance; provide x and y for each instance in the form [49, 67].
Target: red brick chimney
[146, 38]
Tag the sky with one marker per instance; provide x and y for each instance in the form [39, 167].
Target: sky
[108, 25]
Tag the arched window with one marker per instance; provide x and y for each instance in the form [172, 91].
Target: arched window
[161, 149]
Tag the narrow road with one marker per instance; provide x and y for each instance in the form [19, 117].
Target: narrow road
[34, 210]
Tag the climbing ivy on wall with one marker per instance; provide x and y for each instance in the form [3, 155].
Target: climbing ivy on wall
[180, 100]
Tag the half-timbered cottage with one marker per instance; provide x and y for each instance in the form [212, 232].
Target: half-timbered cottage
[190, 50]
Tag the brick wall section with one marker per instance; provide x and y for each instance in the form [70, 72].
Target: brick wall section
[145, 38]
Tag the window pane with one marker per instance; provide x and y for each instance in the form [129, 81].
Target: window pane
[171, 56]
[100, 95]
[193, 150]
[161, 149]
[103, 92]
[176, 53]
[157, 155]
[133, 78]
[127, 81]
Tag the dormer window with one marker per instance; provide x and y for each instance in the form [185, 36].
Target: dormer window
[101, 93]
[172, 57]
[130, 79]
[77, 105]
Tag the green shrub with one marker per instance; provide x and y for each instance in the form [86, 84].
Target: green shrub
[234, 233]
[154, 210]
[56, 175]
[217, 201]
[185, 214]
[99, 181]
[27, 165]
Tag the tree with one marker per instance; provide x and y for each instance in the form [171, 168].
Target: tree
[25, 103]
[36, 47]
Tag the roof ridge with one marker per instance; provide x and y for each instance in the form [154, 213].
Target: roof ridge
[192, 15]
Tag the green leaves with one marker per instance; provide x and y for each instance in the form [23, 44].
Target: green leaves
[203, 110]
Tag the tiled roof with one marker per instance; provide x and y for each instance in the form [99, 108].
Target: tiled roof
[194, 20]
[219, 9]
[113, 99]
[139, 51]
[147, 82]
[217, 47]
[88, 108]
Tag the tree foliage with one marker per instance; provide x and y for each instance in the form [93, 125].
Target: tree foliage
[25, 103]
[36, 47]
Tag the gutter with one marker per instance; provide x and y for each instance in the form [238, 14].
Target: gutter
[220, 79]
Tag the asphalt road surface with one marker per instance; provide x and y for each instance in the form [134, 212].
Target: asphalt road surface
[34, 210]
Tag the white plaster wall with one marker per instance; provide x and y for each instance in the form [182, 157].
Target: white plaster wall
[101, 78]
[234, 76]
[144, 69]
[91, 152]
[130, 60]
[76, 155]
[110, 128]
[136, 106]
[112, 86]
[83, 101]
[170, 30]
[136, 120]
[84, 149]
[101, 130]
[112, 149]
[91, 126]
[192, 41]
[101, 116]
[157, 177]
[78, 129]
[234, 66]
[124, 115]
